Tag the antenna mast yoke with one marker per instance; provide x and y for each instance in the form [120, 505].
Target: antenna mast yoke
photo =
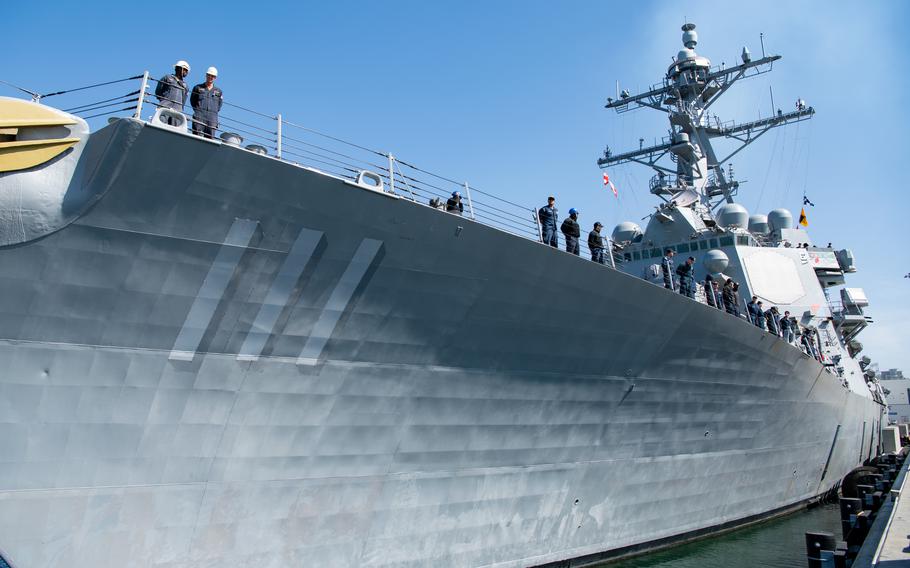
[689, 88]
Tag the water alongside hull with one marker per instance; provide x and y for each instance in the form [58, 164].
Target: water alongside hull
[229, 358]
[778, 543]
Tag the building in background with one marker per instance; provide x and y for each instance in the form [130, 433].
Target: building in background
[891, 375]
[897, 393]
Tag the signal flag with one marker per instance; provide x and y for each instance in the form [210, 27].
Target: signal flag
[610, 183]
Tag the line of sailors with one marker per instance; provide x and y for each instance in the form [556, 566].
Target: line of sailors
[548, 218]
[682, 279]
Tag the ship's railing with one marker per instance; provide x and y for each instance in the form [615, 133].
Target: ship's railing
[289, 141]
[296, 143]
[668, 182]
[839, 311]
[836, 307]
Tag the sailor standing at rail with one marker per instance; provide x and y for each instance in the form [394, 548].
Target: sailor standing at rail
[731, 304]
[666, 266]
[596, 244]
[775, 318]
[686, 273]
[752, 310]
[710, 295]
[206, 100]
[454, 204]
[718, 295]
[772, 321]
[171, 91]
[736, 296]
[807, 343]
[786, 327]
[760, 315]
[548, 215]
[572, 231]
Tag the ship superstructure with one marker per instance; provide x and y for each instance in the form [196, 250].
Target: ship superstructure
[215, 354]
[698, 216]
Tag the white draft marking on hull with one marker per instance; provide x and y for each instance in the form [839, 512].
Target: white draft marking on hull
[279, 294]
[338, 301]
[212, 289]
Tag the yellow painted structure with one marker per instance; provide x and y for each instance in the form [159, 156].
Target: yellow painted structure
[17, 114]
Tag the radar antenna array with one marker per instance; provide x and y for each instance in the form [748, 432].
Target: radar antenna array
[688, 90]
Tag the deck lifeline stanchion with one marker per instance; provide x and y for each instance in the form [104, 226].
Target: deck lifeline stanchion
[143, 86]
[610, 252]
[278, 140]
[325, 155]
[391, 172]
[467, 191]
[539, 228]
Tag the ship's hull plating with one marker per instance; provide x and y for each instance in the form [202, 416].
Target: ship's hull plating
[230, 359]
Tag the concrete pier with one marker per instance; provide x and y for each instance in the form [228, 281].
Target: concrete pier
[888, 542]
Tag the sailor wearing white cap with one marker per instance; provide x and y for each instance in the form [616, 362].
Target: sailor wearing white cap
[206, 102]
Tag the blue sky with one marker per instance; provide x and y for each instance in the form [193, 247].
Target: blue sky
[509, 96]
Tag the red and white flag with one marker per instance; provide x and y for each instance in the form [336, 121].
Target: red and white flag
[610, 183]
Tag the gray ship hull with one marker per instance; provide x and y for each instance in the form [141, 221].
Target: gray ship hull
[228, 359]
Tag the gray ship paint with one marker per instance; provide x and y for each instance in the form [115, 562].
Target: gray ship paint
[212, 289]
[479, 399]
[280, 293]
[431, 432]
[338, 301]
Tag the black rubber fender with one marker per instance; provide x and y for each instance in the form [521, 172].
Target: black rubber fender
[859, 476]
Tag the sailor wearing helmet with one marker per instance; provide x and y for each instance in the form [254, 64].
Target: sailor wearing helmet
[206, 101]
[171, 90]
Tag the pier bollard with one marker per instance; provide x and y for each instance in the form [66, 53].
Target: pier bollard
[876, 500]
[849, 508]
[878, 480]
[865, 493]
[861, 529]
[818, 543]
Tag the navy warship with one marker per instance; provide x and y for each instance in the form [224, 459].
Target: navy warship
[268, 355]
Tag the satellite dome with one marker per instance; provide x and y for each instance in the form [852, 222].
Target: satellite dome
[715, 261]
[780, 219]
[685, 55]
[627, 231]
[758, 224]
[689, 37]
[733, 215]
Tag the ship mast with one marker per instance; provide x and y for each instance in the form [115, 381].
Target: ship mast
[686, 93]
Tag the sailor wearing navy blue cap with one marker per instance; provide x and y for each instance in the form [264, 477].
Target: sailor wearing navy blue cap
[547, 216]
[454, 204]
[571, 229]
[753, 311]
[711, 292]
[596, 244]
[686, 273]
